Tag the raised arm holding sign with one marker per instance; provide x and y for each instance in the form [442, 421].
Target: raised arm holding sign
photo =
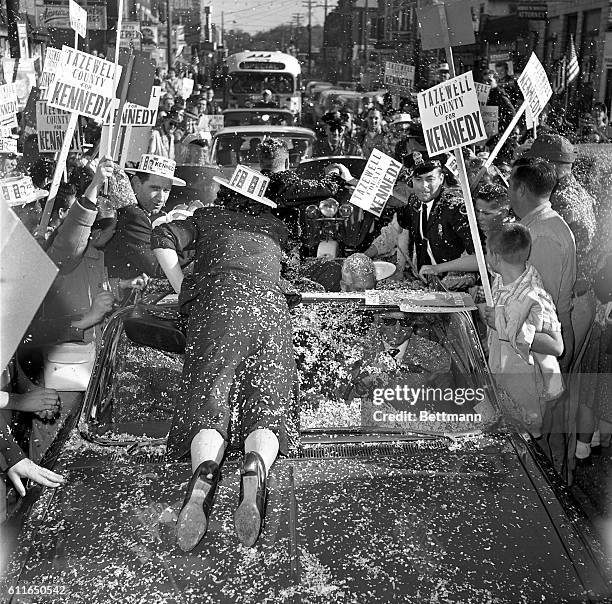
[537, 91]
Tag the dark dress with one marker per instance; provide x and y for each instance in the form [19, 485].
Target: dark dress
[239, 369]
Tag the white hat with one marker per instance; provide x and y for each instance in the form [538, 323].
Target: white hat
[159, 166]
[383, 269]
[248, 182]
[443, 67]
[401, 118]
[20, 190]
[267, 91]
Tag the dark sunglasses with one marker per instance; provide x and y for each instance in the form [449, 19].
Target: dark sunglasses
[390, 321]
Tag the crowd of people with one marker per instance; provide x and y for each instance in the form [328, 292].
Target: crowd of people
[548, 245]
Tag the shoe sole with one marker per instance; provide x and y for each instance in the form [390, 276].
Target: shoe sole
[247, 521]
[192, 524]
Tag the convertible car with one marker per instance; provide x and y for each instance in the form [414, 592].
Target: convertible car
[395, 492]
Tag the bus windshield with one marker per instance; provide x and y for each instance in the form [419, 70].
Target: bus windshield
[256, 83]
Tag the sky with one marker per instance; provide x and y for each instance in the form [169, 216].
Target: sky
[260, 15]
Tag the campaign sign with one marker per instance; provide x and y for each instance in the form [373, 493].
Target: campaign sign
[83, 84]
[51, 126]
[399, 78]
[52, 59]
[187, 87]
[490, 117]
[450, 115]
[130, 34]
[535, 86]
[137, 115]
[8, 106]
[376, 183]
[482, 90]
[22, 73]
[8, 145]
[78, 18]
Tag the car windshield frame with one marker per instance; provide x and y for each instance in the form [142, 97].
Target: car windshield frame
[97, 423]
[250, 117]
[230, 156]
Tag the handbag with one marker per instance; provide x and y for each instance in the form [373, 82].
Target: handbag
[69, 366]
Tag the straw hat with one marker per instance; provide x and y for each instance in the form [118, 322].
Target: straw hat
[248, 182]
[158, 166]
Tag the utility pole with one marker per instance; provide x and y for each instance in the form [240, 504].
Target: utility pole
[366, 34]
[12, 14]
[169, 32]
[308, 5]
[297, 17]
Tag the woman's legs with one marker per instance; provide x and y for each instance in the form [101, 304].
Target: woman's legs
[207, 445]
[207, 449]
[260, 450]
[264, 442]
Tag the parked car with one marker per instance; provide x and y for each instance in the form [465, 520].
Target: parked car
[258, 117]
[364, 510]
[238, 145]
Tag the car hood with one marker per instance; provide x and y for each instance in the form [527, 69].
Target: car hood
[432, 525]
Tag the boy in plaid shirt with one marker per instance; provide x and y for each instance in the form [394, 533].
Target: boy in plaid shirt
[524, 331]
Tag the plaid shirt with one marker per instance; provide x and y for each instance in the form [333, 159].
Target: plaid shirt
[524, 309]
[575, 206]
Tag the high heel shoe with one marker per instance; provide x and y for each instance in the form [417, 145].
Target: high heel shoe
[192, 522]
[249, 515]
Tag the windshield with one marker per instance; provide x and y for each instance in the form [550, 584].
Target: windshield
[232, 149]
[335, 102]
[256, 118]
[256, 83]
[351, 361]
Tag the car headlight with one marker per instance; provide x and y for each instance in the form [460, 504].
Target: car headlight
[328, 207]
[312, 212]
[345, 210]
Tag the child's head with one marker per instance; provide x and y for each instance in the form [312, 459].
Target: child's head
[508, 245]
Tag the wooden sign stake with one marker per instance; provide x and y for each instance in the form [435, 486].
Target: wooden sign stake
[500, 144]
[59, 170]
[465, 186]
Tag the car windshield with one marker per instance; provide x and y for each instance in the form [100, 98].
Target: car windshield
[256, 83]
[256, 118]
[235, 148]
[359, 369]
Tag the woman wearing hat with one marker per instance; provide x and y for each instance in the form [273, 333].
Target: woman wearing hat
[239, 356]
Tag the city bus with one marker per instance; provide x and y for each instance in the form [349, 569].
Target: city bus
[249, 73]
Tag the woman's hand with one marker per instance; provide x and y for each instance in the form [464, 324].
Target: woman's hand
[340, 170]
[428, 269]
[139, 282]
[27, 469]
[42, 402]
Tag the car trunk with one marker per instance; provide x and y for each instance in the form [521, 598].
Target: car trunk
[353, 522]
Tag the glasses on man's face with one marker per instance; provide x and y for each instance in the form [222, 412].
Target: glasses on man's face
[392, 321]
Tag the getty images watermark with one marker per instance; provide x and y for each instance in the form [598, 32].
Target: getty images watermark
[399, 396]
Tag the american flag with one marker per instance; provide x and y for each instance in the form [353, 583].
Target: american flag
[572, 67]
